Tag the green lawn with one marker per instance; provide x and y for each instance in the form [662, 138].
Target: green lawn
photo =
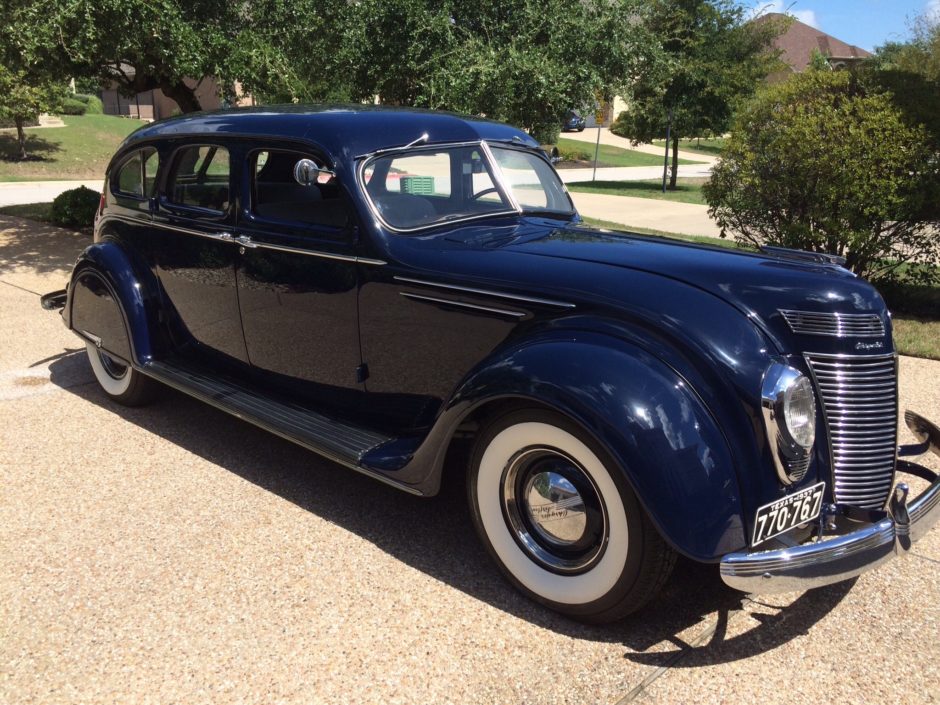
[708, 147]
[34, 211]
[687, 190]
[700, 239]
[80, 150]
[576, 150]
[916, 337]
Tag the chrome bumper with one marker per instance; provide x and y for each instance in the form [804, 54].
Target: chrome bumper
[843, 557]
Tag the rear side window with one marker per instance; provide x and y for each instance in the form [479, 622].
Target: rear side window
[276, 195]
[137, 174]
[200, 178]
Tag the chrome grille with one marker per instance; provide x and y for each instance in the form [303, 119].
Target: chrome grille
[838, 325]
[860, 403]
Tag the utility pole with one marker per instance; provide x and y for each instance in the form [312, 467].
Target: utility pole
[666, 155]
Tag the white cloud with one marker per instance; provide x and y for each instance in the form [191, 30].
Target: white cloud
[932, 10]
[806, 16]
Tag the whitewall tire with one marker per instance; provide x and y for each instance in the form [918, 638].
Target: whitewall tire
[120, 382]
[560, 519]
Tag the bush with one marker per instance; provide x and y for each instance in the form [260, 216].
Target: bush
[75, 208]
[815, 164]
[71, 106]
[93, 104]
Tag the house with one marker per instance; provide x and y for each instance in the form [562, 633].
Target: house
[799, 41]
[154, 105]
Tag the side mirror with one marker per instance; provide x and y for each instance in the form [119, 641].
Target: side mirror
[308, 173]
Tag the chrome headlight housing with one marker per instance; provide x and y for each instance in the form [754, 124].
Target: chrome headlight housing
[789, 407]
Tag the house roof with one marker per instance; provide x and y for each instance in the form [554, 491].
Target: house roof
[798, 42]
[342, 130]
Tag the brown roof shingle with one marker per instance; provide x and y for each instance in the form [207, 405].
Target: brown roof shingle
[798, 42]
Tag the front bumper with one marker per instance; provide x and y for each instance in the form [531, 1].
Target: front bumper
[832, 560]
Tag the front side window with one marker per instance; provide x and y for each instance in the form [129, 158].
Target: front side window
[276, 195]
[200, 178]
[423, 187]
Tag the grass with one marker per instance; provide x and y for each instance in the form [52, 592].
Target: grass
[700, 239]
[918, 338]
[80, 150]
[34, 211]
[609, 155]
[708, 147]
[687, 190]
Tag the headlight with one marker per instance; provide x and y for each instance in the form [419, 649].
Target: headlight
[790, 418]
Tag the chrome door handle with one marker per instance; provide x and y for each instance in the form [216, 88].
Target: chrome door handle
[225, 237]
[244, 241]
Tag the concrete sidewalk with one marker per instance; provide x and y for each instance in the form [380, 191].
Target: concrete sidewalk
[19, 192]
[649, 213]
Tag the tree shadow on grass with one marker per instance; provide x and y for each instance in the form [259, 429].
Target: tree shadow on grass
[436, 536]
[38, 148]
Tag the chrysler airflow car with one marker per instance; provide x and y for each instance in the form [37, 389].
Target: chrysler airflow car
[379, 285]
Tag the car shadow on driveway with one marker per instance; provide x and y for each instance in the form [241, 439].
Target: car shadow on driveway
[436, 535]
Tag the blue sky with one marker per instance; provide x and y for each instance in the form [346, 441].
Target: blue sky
[864, 23]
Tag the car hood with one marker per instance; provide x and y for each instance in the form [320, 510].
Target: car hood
[756, 284]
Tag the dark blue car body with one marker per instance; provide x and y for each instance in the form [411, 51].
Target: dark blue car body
[406, 341]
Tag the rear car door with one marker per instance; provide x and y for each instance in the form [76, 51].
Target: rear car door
[195, 257]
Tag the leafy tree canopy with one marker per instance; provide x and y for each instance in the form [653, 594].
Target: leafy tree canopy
[818, 164]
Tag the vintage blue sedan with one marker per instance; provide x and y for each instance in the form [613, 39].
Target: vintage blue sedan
[378, 285]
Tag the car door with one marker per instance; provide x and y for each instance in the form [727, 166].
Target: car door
[297, 276]
[195, 255]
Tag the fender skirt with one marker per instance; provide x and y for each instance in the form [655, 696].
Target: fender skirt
[106, 304]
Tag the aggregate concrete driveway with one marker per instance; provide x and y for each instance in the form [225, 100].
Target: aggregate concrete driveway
[174, 554]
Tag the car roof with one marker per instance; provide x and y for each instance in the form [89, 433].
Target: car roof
[343, 130]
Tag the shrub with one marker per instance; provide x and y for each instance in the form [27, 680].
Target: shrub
[815, 164]
[71, 106]
[75, 208]
[93, 104]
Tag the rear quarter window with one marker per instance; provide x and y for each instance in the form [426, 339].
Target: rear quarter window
[136, 175]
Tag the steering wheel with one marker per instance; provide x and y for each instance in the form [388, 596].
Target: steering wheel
[482, 193]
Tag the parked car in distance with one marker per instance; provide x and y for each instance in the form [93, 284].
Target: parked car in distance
[573, 122]
[378, 285]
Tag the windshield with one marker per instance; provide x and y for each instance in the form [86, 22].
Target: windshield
[421, 187]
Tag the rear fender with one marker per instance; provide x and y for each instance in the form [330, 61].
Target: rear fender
[654, 425]
[108, 304]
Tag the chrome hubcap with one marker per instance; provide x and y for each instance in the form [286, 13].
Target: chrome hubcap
[554, 510]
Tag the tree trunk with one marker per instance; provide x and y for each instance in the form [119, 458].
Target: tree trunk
[21, 137]
[184, 96]
[675, 164]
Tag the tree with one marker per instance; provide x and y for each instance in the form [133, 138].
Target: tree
[519, 61]
[817, 164]
[27, 88]
[717, 59]
[169, 45]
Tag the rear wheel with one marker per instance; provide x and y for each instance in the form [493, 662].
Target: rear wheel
[561, 521]
[120, 382]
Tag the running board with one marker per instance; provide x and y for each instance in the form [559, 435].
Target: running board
[339, 441]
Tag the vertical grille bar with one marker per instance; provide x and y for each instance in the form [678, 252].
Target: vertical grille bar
[859, 395]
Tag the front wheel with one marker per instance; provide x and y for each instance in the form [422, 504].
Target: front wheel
[120, 382]
[561, 521]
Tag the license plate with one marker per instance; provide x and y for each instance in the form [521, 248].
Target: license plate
[782, 515]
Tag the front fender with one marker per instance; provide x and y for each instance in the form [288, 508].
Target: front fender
[107, 303]
[648, 418]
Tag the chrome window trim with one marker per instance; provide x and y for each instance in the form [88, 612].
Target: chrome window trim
[541, 155]
[227, 237]
[461, 304]
[487, 292]
[499, 182]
